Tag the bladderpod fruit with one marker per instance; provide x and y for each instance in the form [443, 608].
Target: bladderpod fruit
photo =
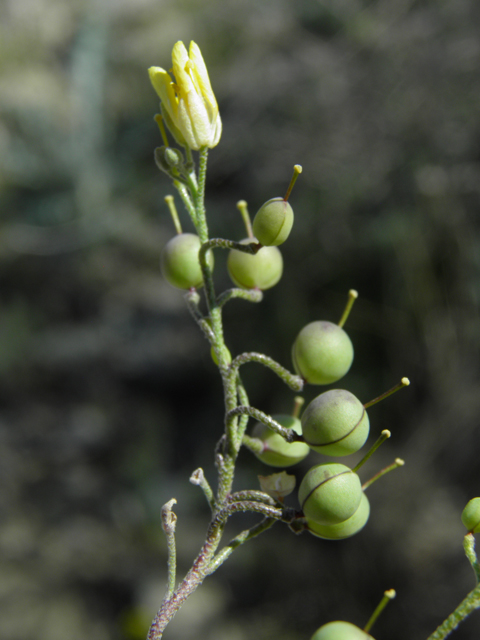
[273, 222]
[322, 352]
[335, 423]
[277, 452]
[471, 516]
[330, 493]
[261, 270]
[180, 264]
[345, 529]
[340, 631]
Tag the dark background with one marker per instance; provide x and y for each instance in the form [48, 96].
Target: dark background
[108, 397]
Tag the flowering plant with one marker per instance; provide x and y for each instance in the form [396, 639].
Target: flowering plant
[333, 504]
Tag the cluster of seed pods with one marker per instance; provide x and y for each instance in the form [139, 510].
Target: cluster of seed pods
[335, 423]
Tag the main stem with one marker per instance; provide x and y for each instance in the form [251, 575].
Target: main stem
[203, 565]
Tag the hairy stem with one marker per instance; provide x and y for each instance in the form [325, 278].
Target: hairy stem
[288, 434]
[293, 381]
[464, 609]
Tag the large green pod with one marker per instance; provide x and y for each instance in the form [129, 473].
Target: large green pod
[322, 352]
[335, 423]
[180, 264]
[339, 630]
[261, 270]
[344, 529]
[330, 493]
[273, 222]
[277, 452]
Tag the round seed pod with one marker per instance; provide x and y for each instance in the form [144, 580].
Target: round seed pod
[335, 423]
[180, 264]
[322, 352]
[273, 222]
[330, 493]
[471, 516]
[340, 631]
[277, 452]
[261, 270]
[344, 529]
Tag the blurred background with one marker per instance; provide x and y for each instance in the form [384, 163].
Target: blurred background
[108, 396]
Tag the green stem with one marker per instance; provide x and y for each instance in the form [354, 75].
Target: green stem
[187, 201]
[255, 445]
[242, 537]
[395, 465]
[191, 582]
[169, 520]
[387, 596]
[242, 423]
[199, 197]
[193, 299]
[383, 436]
[469, 548]
[288, 434]
[252, 295]
[252, 494]
[293, 381]
[464, 609]
[245, 506]
[198, 478]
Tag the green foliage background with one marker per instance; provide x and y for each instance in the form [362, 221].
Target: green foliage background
[108, 396]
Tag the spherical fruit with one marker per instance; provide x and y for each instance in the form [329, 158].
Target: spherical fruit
[344, 529]
[330, 493]
[322, 352]
[471, 515]
[277, 452]
[273, 222]
[261, 270]
[340, 631]
[335, 423]
[180, 264]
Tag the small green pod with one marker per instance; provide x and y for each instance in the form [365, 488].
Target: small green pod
[340, 631]
[471, 516]
[180, 264]
[330, 493]
[277, 452]
[344, 529]
[261, 270]
[322, 352]
[273, 222]
[335, 423]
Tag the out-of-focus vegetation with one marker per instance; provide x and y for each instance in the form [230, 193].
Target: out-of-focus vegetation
[108, 397]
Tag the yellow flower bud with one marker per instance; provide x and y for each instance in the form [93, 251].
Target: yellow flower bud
[188, 105]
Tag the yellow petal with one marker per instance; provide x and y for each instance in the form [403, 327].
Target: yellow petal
[200, 73]
[163, 85]
[180, 61]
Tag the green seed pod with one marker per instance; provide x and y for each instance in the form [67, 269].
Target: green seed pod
[340, 631]
[180, 264]
[273, 222]
[277, 452]
[335, 423]
[471, 516]
[322, 352]
[255, 271]
[330, 493]
[344, 529]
